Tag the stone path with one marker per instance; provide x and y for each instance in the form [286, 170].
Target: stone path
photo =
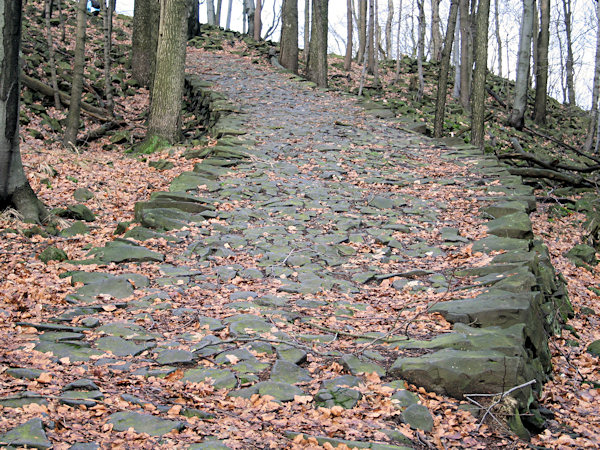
[294, 262]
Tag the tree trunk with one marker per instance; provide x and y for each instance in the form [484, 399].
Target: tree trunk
[70, 137]
[517, 117]
[466, 66]
[306, 30]
[249, 10]
[569, 45]
[498, 38]
[51, 60]
[398, 41]
[362, 30]
[378, 43]
[218, 13]
[421, 49]
[456, 58]
[210, 12]
[388, 29]
[479, 73]
[167, 91]
[371, 39]
[144, 39]
[348, 57]
[317, 60]
[15, 190]
[541, 74]
[257, 20]
[228, 23]
[193, 21]
[440, 104]
[107, 22]
[595, 89]
[61, 20]
[289, 35]
[436, 35]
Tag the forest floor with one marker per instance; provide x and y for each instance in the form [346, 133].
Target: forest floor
[278, 275]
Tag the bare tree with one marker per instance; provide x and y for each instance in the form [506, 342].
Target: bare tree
[569, 44]
[362, 30]
[306, 30]
[440, 104]
[73, 117]
[348, 57]
[210, 12]
[421, 49]
[144, 39]
[371, 39]
[289, 35]
[388, 29]
[228, 22]
[479, 73]
[466, 64]
[517, 117]
[498, 38]
[15, 190]
[592, 129]
[167, 90]
[51, 59]
[107, 17]
[541, 73]
[398, 41]
[257, 20]
[436, 35]
[317, 60]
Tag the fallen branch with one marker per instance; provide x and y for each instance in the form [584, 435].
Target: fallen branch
[531, 172]
[97, 133]
[501, 397]
[563, 144]
[65, 99]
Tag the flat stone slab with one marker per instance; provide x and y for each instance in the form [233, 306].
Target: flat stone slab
[143, 423]
[356, 366]
[221, 378]
[123, 347]
[288, 372]
[31, 434]
[118, 252]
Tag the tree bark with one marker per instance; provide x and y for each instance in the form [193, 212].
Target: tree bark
[517, 117]
[436, 35]
[144, 39]
[498, 38]
[193, 21]
[218, 13]
[421, 49]
[569, 44]
[456, 58]
[362, 30]
[440, 104]
[306, 30]
[398, 41]
[249, 10]
[210, 12]
[589, 141]
[70, 137]
[107, 22]
[317, 60]
[371, 39]
[479, 74]
[388, 29]
[228, 22]
[466, 66]
[51, 59]
[541, 74]
[257, 20]
[15, 190]
[289, 35]
[348, 57]
[167, 91]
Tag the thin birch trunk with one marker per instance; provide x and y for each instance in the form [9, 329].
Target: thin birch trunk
[107, 21]
[51, 59]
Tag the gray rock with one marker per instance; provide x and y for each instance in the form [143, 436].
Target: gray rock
[582, 254]
[123, 347]
[31, 434]
[288, 372]
[356, 366]
[418, 417]
[209, 445]
[594, 348]
[282, 392]
[22, 399]
[337, 395]
[75, 229]
[221, 378]
[83, 195]
[516, 225]
[291, 354]
[143, 423]
[404, 398]
[168, 357]
[118, 252]
[344, 380]
[23, 373]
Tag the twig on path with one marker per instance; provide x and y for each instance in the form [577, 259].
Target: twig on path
[500, 395]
